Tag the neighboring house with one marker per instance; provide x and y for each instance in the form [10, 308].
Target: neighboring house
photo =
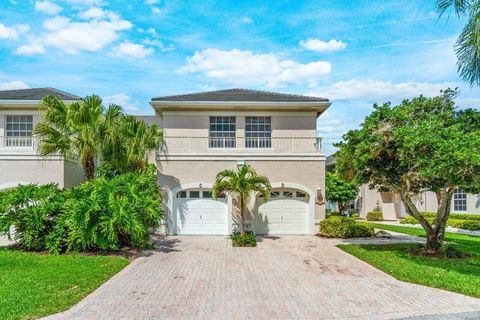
[19, 162]
[208, 132]
[393, 208]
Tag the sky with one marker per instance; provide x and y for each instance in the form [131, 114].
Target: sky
[354, 52]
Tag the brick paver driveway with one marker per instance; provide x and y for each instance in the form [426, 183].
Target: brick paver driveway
[301, 277]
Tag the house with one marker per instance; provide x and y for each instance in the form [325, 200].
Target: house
[392, 206]
[205, 133]
[211, 131]
[19, 162]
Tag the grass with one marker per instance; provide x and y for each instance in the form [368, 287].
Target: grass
[35, 285]
[458, 275]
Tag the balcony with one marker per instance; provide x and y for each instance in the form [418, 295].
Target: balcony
[18, 145]
[242, 145]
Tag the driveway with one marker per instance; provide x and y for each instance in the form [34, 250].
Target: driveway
[291, 277]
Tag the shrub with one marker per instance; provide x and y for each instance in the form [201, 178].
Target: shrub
[355, 215]
[109, 214]
[333, 213]
[343, 227]
[471, 223]
[246, 240]
[99, 214]
[32, 210]
[374, 216]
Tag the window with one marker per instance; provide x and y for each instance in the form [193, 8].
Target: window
[194, 194]
[287, 194]
[19, 130]
[258, 132]
[274, 194]
[182, 194]
[459, 200]
[299, 194]
[222, 132]
[206, 194]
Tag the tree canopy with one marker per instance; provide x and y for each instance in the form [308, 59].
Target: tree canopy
[340, 191]
[422, 144]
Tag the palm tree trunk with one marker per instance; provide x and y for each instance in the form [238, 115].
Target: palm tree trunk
[89, 168]
[242, 217]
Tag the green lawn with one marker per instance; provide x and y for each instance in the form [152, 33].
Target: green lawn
[34, 285]
[458, 275]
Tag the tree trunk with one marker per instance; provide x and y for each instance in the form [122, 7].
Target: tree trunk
[242, 217]
[342, 207]
[436, 231]
[89, 168]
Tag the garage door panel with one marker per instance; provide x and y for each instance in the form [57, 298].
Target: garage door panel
[284, 215]
[200, 216]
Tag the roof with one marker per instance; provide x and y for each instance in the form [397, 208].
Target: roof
[240, 95]
[35, 94]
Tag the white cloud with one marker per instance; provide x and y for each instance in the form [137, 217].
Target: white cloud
[131, 51]
[91, 36]
[237, 67]
[93, 13]
[320, 46]
[30, 49]
[123, 100]
[13, 85]
[150, 2]
[12, 33]
[85, 2]
[373, 90]
[247, 20]
[47, 7]
[159, 44]
[156, 10]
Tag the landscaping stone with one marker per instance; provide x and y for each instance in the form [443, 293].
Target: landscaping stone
[382, 234]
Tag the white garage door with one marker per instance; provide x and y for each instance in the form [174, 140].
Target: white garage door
[286, 212]
[197, 213]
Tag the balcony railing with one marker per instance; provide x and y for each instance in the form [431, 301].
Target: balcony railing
[236, 145]
[18, 144]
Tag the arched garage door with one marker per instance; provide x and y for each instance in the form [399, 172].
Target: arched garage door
[286, 212]
[196, 213]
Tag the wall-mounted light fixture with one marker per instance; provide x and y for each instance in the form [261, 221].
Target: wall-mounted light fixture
[200, 185]
[240, 164]
[319, 198]
[283, 185]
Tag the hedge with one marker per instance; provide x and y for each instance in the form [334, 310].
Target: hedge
[374, 216]
[461, 221]
[343, 227]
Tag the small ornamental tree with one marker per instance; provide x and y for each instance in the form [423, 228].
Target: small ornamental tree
[422, 144]
[340, 191]
[242, 183]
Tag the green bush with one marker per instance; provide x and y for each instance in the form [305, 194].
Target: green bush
[343, 227]
[468, 221]
[374, 216]
[355, 216]
[100, 214]
[332, 213]
[247, 240]
[32, 210]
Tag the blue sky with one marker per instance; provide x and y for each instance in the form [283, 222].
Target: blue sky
[354, 52]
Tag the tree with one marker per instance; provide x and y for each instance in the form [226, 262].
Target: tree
[467, 47]
[340, 191]
[75, 130]
[422, 144]
[127, 144]
[241, 183]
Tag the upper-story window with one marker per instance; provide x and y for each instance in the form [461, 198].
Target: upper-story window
[222, 132]
[258, 132]
[18, 130]
[459, 200]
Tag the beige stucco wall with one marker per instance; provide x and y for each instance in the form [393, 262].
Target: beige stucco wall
[13, 172]
[197, 125]
[173, 174]
[73, 174]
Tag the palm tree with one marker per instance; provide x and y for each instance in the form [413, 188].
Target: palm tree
[75, 130]
[241, 183]
[128, 143]
[467, 47]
